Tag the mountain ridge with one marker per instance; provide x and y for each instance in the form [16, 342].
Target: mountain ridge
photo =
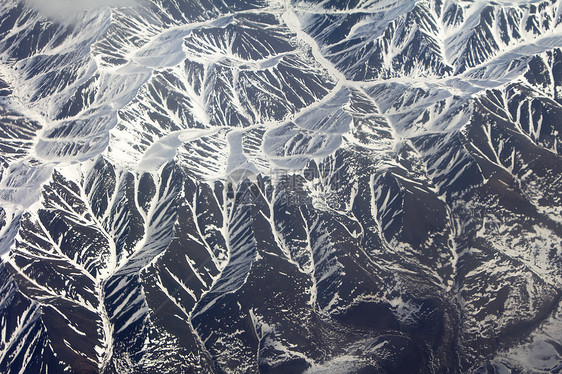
[212, 187]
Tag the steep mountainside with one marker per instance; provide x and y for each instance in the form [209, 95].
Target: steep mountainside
[281, 186]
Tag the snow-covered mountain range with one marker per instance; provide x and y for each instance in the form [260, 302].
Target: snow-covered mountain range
[281, 186]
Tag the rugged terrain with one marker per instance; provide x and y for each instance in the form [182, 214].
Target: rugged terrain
[267, 186]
